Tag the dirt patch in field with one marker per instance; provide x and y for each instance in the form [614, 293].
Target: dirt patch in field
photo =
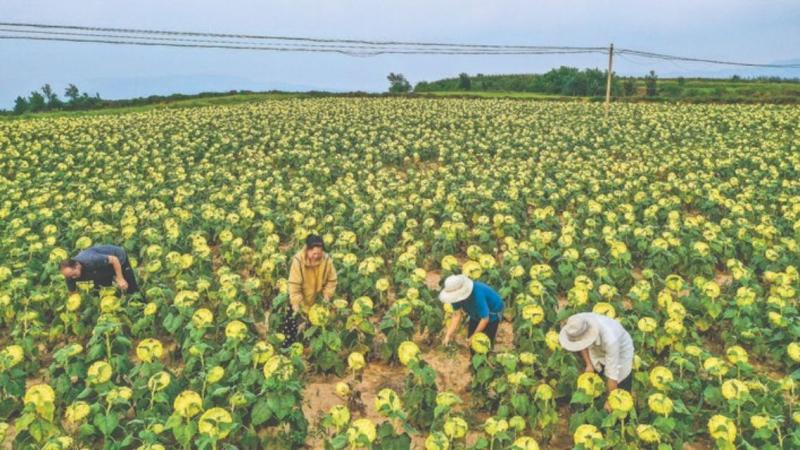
[723, 278]
[627, 304]
[699, 445]
[216, 259]
[505, 337]
[562, 438]
[41, 379]
[320, 394]
[452, 374]
[768, 368]
[432, 280]
[262, 327]
[319, 397]
[562, 301]
[452, 370]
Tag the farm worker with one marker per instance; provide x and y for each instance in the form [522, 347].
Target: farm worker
[604, 345]
[311, 275]
[100, 264]
[482, 304]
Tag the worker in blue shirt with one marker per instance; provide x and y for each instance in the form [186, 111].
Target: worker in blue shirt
[100, 264]
[481, 303]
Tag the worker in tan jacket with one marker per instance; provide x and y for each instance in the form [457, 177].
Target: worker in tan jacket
[311, 274]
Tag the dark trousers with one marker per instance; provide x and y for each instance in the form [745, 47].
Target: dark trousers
[490, 330]
[290, 328]
[626, 384]
[127, 273]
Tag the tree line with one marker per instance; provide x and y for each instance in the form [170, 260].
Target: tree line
[46, 99]
[568, 81]
[571, 81]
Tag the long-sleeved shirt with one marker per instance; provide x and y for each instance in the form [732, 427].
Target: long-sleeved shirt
[95, 266]
[612, 351]
[482, 303]
[307, 279]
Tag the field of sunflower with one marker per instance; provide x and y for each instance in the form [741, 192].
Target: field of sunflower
[680, 221]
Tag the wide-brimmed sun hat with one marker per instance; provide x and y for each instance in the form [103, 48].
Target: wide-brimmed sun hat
[456, 289]
[579, 332]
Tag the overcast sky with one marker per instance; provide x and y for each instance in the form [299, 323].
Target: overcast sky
[751, 30]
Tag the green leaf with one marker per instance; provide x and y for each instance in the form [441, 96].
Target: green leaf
[281, 405]
[399, 442]
[339, 442]
[609, 421]
[481, 444]
[520, 403]
[38, 430]
[581, 398]
[385, 430]
[106, 423]
[24, 421]
[261, 412]
[220, 391]
[173, 421]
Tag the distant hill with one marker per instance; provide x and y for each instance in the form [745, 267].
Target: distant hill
[569, 81]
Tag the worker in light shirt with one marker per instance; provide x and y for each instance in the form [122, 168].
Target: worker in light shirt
[604, 345]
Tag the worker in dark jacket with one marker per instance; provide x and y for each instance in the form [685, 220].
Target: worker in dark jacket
[101, 264]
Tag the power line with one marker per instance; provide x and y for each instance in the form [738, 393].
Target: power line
[292, 38]
[350, 47]
[365, 50]
[666, 57]
[281, 49]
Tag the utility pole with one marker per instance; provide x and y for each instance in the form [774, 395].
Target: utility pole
[608, 81]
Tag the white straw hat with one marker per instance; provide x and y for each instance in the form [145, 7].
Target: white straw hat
[456, 289]
[579, 332]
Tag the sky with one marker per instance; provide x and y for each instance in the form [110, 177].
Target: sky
[747, 30]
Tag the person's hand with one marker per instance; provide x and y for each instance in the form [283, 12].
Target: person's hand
[122, 283]
[589, 369]
[607, 406]
[446, 340]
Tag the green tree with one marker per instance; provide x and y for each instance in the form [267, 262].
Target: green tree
[651, 83]
[629, 87]
[464, 82]
[398, 83]
[72, 93]
[20, 105]
[36, 102]
[51, 97]
[422, 86]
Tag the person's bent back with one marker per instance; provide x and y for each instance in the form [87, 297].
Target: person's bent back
[100, 264]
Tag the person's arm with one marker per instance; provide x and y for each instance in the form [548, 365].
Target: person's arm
[330, 284]
[587, 360]
[482, 324]
[612, 368]
[295, 285]
[455, 321]
[610, 385]
[114, 261]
